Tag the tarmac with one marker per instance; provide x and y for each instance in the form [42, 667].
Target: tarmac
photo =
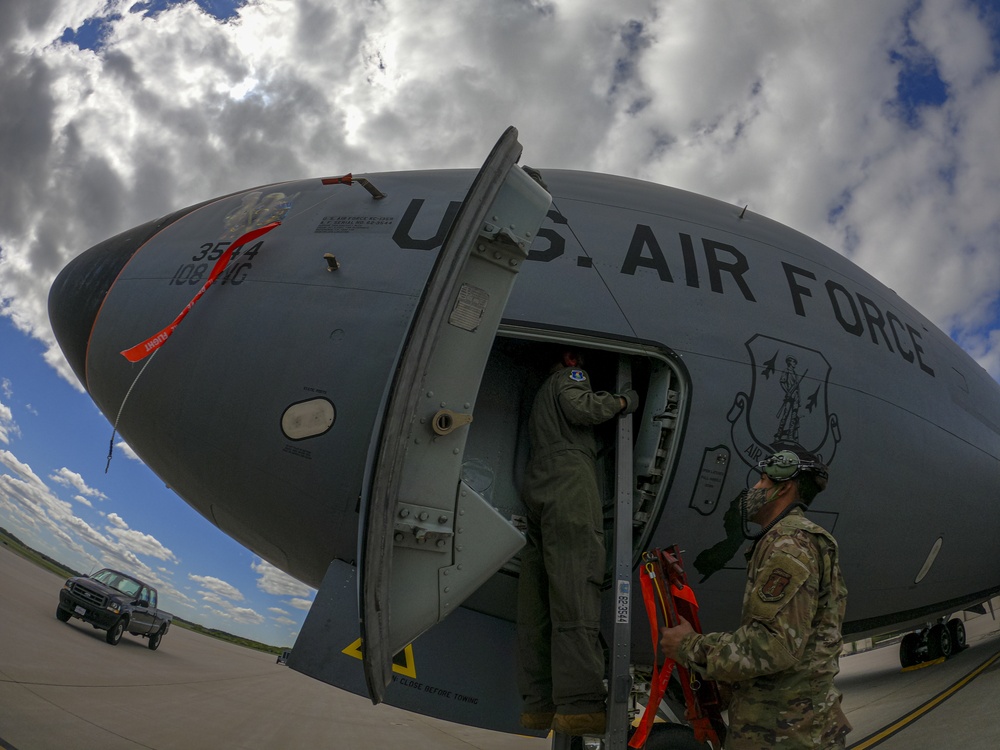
[954, 703]
[62, 686]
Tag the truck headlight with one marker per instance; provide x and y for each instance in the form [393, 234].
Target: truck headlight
[114, 607]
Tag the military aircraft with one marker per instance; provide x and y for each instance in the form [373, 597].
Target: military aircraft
[349, 396]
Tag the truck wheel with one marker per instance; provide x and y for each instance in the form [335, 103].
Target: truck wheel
[154, 640]
[62, 615]
[117, 630]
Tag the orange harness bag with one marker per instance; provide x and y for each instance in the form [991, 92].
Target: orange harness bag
[664, 582]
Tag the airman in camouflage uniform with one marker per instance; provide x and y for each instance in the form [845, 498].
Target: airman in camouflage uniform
[562, 564]
[781, 662]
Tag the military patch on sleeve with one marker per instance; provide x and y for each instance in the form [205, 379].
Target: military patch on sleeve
[774, 588]
[578, 375]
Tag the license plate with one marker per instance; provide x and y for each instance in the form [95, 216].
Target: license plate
[80, 611]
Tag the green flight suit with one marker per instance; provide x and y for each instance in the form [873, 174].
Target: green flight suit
[781, 662]
[562, 564]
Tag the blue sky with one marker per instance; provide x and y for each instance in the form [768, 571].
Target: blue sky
[869, 126]
[91, 33]
[59, 433]
[203, 575]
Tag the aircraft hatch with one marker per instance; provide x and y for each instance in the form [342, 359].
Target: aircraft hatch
[428, 539]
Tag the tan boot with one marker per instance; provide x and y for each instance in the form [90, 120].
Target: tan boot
[538, 720]
[580, 724]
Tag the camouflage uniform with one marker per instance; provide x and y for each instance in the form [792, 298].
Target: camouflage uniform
[781, 662]
[562, 564]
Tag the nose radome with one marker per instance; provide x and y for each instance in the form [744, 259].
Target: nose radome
[78, 292]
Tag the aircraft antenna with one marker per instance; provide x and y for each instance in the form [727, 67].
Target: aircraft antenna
[114, 430]
[599, 274]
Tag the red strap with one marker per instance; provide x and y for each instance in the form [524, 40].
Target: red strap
[694, 713]
[140, 351]
[347, 179]
[702, 727]
[695, 716]
[656, 691]
[687, 594]
[658, 683]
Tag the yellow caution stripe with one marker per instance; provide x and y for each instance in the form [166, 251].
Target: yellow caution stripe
[402, 663]
[923, 665]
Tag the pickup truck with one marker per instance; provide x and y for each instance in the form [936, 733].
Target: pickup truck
[115, 602]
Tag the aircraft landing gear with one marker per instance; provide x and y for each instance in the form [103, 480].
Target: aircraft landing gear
[939, 642]
[957, 629]
[943, 639]
[910, 650]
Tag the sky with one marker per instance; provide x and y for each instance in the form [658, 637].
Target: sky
[872, 127]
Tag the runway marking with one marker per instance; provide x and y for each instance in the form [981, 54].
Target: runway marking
[885, 733]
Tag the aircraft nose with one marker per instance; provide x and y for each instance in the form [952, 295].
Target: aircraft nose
[78, 292]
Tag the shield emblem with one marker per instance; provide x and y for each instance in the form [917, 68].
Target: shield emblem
[774, 588]
[787, 407]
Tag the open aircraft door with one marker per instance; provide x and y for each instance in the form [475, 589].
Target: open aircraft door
[428, 540]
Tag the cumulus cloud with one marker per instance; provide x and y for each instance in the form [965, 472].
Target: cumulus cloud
[300, 603]
[220, 597]
[127, 451]
[136, 541]
[33, 507]
[753, 104]
[274, 581]
[8, 426]
[73, 480]
[227, 609]
[217, 587]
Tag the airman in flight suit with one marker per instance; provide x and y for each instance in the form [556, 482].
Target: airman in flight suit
[562, 564]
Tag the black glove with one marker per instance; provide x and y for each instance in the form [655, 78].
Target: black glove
[631, 401]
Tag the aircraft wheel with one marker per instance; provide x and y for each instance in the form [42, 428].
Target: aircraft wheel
[939, 642]
[909, 650]
[62, 615]
[672, 737]
[956, 628]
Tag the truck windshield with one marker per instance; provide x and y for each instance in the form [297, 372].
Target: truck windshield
[117, 581]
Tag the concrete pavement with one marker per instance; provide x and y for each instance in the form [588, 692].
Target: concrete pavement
[62, 686]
